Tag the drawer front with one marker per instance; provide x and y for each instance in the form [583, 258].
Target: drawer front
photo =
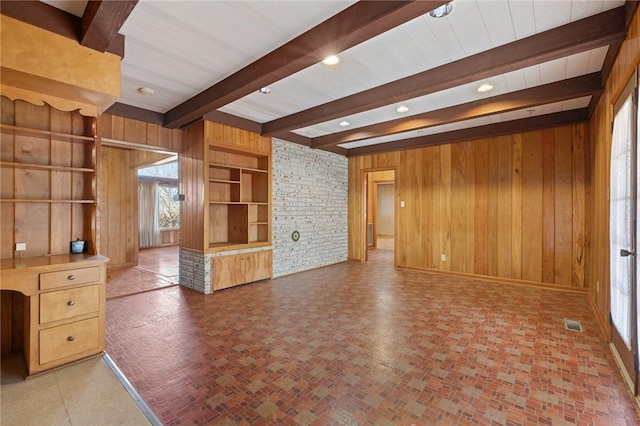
[49, 280]
[69, 339]
[64, 304]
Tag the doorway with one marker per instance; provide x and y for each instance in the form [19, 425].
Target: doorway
[141, 260]
[624, 270]
[380, 215]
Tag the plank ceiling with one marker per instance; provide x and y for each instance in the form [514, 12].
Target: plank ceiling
[547, 61]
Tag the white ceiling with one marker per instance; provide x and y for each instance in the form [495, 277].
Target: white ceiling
[180, 48]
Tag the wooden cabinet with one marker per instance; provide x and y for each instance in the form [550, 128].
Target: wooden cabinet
[49, 172]
[64, 313]
[232, 270]
[225, 176]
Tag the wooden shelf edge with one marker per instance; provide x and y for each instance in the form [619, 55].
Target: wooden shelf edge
[224, 181]
[46, 167]
[25, 131]
[18, 200]
[240, 168]
[239, 203]
[218, 247]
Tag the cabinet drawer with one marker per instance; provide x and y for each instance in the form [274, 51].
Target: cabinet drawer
[66, 340]
[64, 304]
[49, 280]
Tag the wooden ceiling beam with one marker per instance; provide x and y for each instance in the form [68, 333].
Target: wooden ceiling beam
[55, 20]
[577, 87]
[586, 34]
[488, 131]
[352, 26]
[102, 20]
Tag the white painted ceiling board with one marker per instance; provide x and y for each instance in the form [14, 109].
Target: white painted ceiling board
[180, 48]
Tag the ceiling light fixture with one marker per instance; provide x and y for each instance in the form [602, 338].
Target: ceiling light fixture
[485, 88]
[344, 123]
[146, 91]
[442, 11]
[402, 108]
[265, 90]
[331, 60]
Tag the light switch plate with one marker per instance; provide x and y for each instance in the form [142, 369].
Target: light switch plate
[21, 246]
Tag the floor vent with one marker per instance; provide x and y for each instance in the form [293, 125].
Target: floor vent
[572, 325]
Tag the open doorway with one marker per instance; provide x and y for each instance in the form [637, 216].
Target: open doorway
[380, 215]
[139, 224]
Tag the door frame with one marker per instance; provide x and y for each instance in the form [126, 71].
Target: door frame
[364, 173]
[628, 359]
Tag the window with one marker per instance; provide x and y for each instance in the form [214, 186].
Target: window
[167, 192]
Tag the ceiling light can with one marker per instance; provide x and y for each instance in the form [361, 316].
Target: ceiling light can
[402, 108]
[265, 90]
[485, 87]
[442, 11]
[146, 91]
[344, 123]
[331, 60]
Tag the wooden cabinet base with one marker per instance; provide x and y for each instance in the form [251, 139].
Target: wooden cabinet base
[232, 270]
[63, 309]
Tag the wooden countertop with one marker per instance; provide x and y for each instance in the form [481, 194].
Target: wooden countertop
[21, 274]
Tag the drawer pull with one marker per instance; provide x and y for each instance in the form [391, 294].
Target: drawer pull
[71, 303]
[70, 339]
[71, 277]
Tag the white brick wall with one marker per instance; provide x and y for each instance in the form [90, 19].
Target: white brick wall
[309, 195]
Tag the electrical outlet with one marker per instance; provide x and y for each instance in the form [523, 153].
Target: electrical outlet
[597, 286]
[21, 246]
[443, 257]
[401, 203]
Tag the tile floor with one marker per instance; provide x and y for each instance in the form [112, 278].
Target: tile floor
[86, 393]
[354, 344]
[157, 268]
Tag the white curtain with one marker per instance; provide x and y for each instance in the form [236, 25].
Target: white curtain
[621, 220]
[149, 217]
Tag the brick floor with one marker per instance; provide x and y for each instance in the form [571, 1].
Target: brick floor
[354, 344]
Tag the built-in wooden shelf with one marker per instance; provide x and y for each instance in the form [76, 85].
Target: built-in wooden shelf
[47, 134]
[23, 200]
[46, 167]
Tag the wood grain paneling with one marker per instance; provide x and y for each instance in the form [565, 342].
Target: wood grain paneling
[140, 133]
[486, 204]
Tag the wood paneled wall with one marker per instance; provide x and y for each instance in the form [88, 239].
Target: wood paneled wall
[511, 207]
[118, 208]
[597, 271]
[140, 133]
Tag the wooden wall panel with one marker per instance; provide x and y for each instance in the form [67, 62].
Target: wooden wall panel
[486, 205]
[140, 133]
[597, 150]
[118, 208]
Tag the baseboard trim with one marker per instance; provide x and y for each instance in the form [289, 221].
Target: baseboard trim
[512, 281]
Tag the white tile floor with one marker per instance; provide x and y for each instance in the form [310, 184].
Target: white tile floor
[86, 393]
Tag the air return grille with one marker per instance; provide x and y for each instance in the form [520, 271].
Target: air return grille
[572, 325]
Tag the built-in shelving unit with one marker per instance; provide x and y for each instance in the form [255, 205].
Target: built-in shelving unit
[233, 212]
[49, 173]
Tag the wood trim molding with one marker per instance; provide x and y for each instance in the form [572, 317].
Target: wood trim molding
[491, 130]
[352, 26]
[586, 34]
[605, 331]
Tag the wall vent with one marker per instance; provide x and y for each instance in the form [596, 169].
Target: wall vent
[572, 325]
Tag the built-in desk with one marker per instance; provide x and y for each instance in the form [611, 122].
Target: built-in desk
[64, 307]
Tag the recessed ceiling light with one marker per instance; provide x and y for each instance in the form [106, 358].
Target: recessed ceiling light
[331, 60]
[485, 88]
[344, 123]
[442, 11]
[146, 91]
[402, 108]
[265, 90]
